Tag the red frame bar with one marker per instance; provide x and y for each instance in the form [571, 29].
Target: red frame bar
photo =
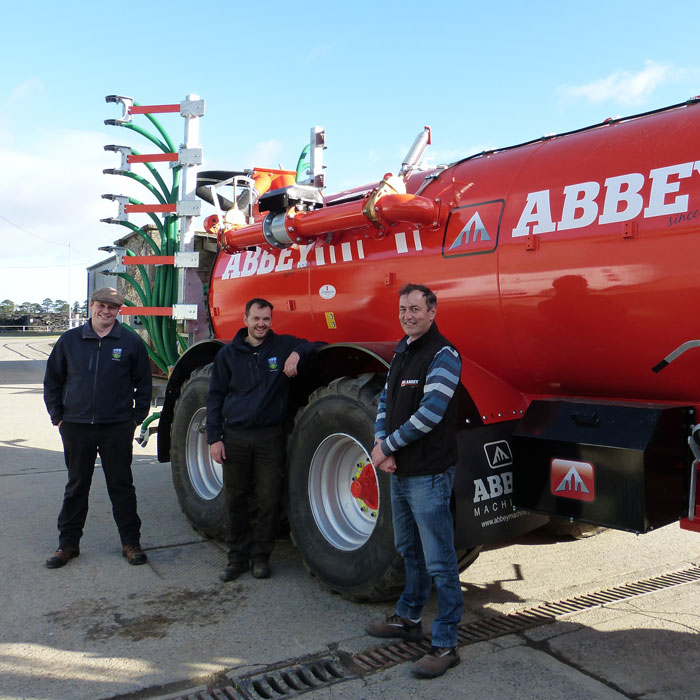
[151, 158]
[146, 208]
[148, 260]
[146, 311]
[153, 109]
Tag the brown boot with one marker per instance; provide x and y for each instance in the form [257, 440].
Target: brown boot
[394, 626]
[134, 554]
[436, 662]
[62, 556]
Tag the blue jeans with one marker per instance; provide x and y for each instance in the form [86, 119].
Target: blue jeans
[424, 536]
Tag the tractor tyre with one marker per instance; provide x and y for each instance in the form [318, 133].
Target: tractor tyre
[197, 479]
[339, 506]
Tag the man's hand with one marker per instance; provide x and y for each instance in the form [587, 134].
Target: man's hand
[290, 366]
[217, 451]
[388, 465]
[381, 461]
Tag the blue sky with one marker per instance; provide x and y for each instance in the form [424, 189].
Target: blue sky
[372, 74]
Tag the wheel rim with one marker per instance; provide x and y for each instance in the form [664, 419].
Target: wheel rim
[205, 474]
[346, 521]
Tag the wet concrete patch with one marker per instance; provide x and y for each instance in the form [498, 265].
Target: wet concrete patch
[142, 616]
[151, 614]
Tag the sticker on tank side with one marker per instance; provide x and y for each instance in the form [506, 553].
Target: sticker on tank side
[327, 291]
[473, 229]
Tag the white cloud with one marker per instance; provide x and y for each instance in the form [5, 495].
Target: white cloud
[624, 87]
[315, 53]
[265, 154]
[25, 90]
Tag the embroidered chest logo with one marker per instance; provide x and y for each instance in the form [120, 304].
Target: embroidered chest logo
[272, 363]
[116, 353]
[410, 382]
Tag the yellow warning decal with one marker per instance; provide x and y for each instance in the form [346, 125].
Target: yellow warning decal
[330, 319]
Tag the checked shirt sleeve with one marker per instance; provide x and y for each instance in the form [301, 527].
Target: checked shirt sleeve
[440, 384]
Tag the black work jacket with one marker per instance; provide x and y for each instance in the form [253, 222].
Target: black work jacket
[248, 388]
[436, 451]
[90, 379]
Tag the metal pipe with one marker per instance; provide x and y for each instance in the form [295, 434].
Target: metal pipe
[284, 229]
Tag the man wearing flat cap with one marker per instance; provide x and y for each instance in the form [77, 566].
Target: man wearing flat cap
[97, 389]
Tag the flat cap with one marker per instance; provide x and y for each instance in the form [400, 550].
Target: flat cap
[108, 295]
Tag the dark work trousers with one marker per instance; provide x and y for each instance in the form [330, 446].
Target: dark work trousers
[253, 468]
[81, 443]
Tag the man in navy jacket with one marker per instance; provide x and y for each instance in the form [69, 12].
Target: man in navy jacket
[97, 389]
[246, 412]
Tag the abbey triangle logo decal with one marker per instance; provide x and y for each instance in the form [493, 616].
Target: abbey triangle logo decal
[572, 479]
[498, 454]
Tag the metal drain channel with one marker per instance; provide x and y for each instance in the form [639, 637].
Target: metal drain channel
[500, 625]
[284, 682]
[293, 680]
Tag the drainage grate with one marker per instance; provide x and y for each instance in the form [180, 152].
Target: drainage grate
[498, 626]
[286, 682]
[290, 681]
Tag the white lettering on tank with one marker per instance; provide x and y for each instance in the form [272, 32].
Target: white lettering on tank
[660, 187]
[346, 250]
[400, 239]
[622, 189]
[331, 250]
[284, 262]
[416, 239]
[232, 270]
[320, 258]
[250, 262]
[579, 198]
[360, 250]
[537, 211]
[267, 263]
[304, 251]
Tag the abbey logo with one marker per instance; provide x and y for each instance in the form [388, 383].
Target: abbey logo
[572, 479]
[498, 454]
[473, 229]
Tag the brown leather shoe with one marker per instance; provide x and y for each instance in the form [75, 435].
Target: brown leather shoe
[435, 662]
[62, 556]
[134, 554]
[394, 626]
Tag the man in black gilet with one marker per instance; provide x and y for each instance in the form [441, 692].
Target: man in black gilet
[415, 442]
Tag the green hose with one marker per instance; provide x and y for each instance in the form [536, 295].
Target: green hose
[167, 342]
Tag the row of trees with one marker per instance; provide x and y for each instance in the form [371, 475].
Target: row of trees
[48, 306]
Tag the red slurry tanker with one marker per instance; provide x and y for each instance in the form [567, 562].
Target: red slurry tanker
[565, 271]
